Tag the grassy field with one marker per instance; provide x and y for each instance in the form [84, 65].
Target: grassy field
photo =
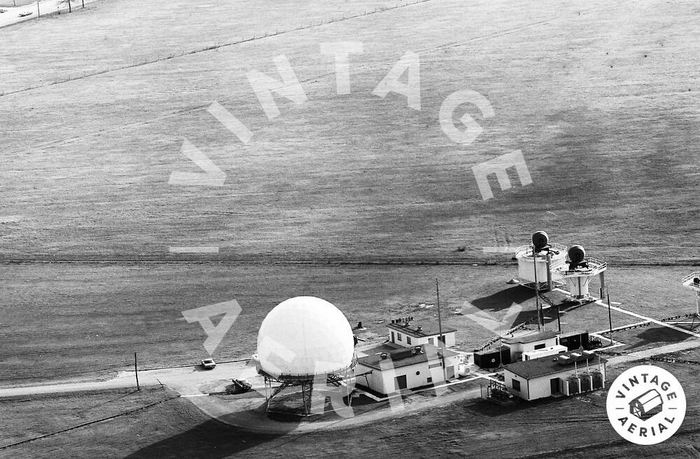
[68, 320]
[575, 427]
[17, 2]
[23, 419]
[602, 100]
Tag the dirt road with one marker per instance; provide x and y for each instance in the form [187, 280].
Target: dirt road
[184, 380]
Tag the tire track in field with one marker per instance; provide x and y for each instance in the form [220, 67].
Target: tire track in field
[85, 424]
[162, 259]
[203, 49]
[254, 38]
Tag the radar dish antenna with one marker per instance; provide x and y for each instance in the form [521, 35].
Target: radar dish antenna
[577, 255]
[540, 241]
[538, 260]
[581, 271]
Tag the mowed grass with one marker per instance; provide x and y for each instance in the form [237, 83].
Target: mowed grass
[18, 2]
[574, 427]
[77, 320]
[600, 98]
[26, 418]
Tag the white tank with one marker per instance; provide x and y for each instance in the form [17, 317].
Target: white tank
[305, 336]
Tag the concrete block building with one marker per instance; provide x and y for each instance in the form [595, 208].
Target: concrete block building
[406, 335]
[532, 342]
[565, 374]
[406, 368]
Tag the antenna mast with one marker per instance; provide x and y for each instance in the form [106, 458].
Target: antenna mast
[441, 338]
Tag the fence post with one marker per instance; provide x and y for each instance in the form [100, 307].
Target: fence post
[136, 372]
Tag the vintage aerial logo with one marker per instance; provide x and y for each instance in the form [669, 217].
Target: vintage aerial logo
[646, 405]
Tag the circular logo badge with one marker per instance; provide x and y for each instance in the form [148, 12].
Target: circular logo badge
[646, 405]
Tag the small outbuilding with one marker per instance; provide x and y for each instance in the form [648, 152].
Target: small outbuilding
[531, 342]
[566, 374]
[492, 358]
[406, 335]
[406, 368]
[575, 340]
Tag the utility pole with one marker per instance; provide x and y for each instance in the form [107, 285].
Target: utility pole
[610, 319]
[558, 318]
[441, 339]
[136, 371]
[537, 289]
[70, 10]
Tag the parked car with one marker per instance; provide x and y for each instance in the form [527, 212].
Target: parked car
[208, 364]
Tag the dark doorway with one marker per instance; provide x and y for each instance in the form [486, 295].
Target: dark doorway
[400, 382]
[554, 384]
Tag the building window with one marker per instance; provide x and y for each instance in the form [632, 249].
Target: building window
[539, 346]
[408, 339]
[431, 341]
[516, 385]
[430, 379]
[441, 338]
[398, 336]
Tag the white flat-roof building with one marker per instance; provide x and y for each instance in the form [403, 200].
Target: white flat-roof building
[566, 374]
[406, 368]
[407, 335]
[531, 342]
[546, 352]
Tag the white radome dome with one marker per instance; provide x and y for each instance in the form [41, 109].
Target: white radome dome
[305, 336]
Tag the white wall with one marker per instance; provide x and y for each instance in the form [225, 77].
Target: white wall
[541, 387]
[374, 380]
[509, 377]
[450, 339]
[383, 381]
[517, 349]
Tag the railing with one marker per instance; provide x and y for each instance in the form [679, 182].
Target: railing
[687, 281]
[594, 264]
[495, 339]
[489, 343]
[526, 250]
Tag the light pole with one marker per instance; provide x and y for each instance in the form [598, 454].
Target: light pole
[537, 289]
[441, 338]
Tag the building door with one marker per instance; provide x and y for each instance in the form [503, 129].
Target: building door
[393, 340]
[400, 382]
[554, 385]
